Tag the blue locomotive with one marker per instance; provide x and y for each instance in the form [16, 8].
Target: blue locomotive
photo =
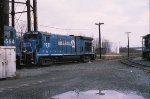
[10, 39]
[45, 48]
[146, 49]
[9, 36]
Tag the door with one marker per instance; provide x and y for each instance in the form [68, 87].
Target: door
[2, 63]
[10, 62]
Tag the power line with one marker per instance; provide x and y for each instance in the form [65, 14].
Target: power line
[65, 28]
[20, 15]
[60, 28]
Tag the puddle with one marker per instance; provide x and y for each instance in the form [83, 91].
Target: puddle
[96, 94]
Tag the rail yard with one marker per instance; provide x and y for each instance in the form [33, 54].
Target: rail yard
[137, 63]
[43, 83]
[60, 56]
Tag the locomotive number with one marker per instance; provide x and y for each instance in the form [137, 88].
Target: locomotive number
[9, 41]
[47, 45]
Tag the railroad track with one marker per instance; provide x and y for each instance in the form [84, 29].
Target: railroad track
[130, 62]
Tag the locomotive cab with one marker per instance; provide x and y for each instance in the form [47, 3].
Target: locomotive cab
[30, 46]
[9, 36]
[146, 49]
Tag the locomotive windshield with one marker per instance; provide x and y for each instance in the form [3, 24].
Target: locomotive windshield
[9, 34]
[26, 44]
[30, 36]
[32, 40]
[88, 46]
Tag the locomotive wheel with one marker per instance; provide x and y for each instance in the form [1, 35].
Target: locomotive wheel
[39, 64]
[18, 65]
[85, 59]
[45, 62]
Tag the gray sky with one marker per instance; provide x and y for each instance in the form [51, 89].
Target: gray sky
[119, 16]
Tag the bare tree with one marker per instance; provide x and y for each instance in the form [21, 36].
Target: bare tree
[106, 46]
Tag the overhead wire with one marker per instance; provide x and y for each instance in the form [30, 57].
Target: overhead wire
[17, 5]
[58, 28]
[66, 28]
[20, 15]
[61, 28]
[20, 27]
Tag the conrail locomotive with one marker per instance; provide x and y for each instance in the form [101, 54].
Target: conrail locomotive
[44, 48]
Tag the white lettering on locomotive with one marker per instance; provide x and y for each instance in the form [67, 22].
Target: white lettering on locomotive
[9, 41]
[47, 45]
[73, 43]
[69, 43]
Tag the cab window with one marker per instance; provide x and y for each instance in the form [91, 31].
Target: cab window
[9, 34]
[47, 39]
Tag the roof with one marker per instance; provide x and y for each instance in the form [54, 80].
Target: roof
[146, 36]
[46, 33]
[85, 38]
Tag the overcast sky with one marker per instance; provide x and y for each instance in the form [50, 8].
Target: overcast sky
[78, 17]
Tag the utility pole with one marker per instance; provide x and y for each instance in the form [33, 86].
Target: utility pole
[35, 15]
[4, 18]
[142, 44]
[1, 22]
[6, 12]
[30, 8]
[100, 51]
[128, 42]
[13, 13]
[28, 15]
[149, 16]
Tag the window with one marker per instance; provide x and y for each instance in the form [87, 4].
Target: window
[47, 39]
[11, 34]
[88, 46]
[30, 36]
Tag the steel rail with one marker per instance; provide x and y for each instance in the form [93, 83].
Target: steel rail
[130, 62]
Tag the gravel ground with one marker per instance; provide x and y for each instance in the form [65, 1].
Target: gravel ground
[42, 83]
[141, 61]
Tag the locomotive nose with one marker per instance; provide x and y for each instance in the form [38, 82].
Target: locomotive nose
[33, 45]
[29, 50]
[29, 47]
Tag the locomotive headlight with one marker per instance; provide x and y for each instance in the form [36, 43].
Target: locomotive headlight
[25, 51]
